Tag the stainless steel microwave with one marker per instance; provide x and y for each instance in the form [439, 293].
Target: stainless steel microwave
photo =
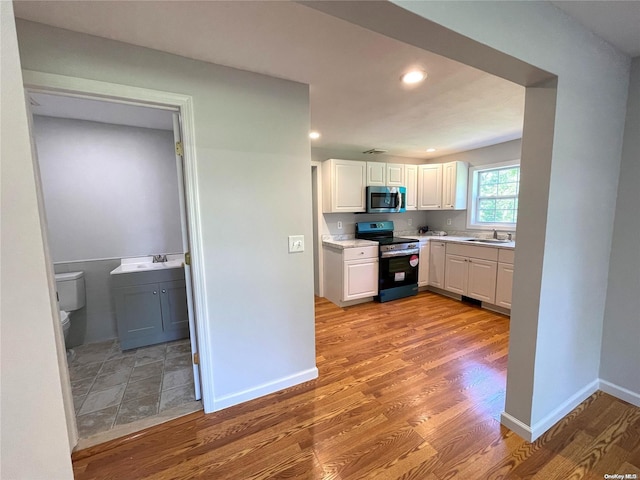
[386, 199]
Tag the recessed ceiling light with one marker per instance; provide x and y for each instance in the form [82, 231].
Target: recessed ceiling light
[414, 76]
[431, 150]
[314, 135]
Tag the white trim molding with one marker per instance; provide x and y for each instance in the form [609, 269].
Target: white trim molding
[620, 392]
[81, 87]
[531, 433]
[265, 389]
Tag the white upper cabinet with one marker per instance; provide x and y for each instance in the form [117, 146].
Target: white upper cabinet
[395, 175]
[454, 185]
[376, 174]
[343, 186]
[385, 174]
[430, 187]
[411, 177]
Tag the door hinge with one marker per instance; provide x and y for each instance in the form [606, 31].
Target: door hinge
[187, 258]
[196, 359]
[179, 149]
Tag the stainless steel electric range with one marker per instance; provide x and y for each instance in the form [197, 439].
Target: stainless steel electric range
[399, 259]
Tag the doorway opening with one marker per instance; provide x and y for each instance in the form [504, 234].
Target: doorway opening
[115, 216]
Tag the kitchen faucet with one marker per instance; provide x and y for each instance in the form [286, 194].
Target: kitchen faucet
[495, 234]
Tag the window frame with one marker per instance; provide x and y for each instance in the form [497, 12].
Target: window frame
[472, 197]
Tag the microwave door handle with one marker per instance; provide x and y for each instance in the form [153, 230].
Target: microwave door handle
[399, 200]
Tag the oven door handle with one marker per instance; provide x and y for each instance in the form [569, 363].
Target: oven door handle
[400, 253]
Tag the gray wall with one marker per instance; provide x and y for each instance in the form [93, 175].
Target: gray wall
[251, 134]
[621, 335]
[34, 441]
[572, 143]
[110, 191]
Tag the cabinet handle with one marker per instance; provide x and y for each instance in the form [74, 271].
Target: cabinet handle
[164, 291]
[361, 253]
[155, 293]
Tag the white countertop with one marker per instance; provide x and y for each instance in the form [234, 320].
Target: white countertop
[355, 243]
[143, 264]
[350, 243]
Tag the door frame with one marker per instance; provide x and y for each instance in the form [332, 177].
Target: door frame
[318, 220]
[79, 87]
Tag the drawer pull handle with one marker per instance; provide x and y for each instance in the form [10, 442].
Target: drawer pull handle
[164, 291]
[155, 293]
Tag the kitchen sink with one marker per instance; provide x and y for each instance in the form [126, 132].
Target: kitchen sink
[489, 240]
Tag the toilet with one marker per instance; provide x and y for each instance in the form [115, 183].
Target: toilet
[71, 297]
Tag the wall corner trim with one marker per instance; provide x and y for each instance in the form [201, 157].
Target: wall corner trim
[531, 433]
[515, 425]
[620, 392]
[265, 389]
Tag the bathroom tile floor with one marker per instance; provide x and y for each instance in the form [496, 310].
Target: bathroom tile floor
[111, 387]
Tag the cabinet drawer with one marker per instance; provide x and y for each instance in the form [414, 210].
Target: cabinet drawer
[473, 251]
[359, 252]
[506, 256]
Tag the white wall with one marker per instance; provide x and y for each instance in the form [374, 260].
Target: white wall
[33, 442]
[566, 325]
[621, 336]
[253, 176]
[110, 191]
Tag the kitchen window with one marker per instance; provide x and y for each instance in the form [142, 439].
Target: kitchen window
[493, 196]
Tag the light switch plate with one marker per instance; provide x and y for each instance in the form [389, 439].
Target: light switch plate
[296, 243]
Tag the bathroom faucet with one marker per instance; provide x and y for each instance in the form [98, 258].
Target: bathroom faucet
[495, 234]
[159, 258]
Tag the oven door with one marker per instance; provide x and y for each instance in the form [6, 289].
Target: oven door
[398, 269]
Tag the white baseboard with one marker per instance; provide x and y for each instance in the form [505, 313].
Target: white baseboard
[515, 425]
[563, 410]
[531, 433]
[620, 392]
[266, 388]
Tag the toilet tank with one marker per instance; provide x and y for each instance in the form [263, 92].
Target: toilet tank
[71, 292]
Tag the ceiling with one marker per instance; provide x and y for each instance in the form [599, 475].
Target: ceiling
[357, 99]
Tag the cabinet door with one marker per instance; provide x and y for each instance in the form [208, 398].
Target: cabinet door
[360, 278]
[138, 313]
[430, 187]
[344, 183]
[395, 175]
[482, 280]
[436, 264]
[376, 174]
[173, 299]
[448, 185]
[456, 274]
[423, 266]
[504, 285]
[411, 177]
[454, 185]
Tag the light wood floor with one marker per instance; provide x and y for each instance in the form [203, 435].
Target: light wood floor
[410, 389]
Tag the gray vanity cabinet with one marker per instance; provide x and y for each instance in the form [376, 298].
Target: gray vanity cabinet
[151, 307]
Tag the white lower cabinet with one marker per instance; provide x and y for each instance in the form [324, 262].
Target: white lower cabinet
[471, 271]
[350, 274]
[423, 266]
[504, 284]
[360, 279]
[436, 264]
